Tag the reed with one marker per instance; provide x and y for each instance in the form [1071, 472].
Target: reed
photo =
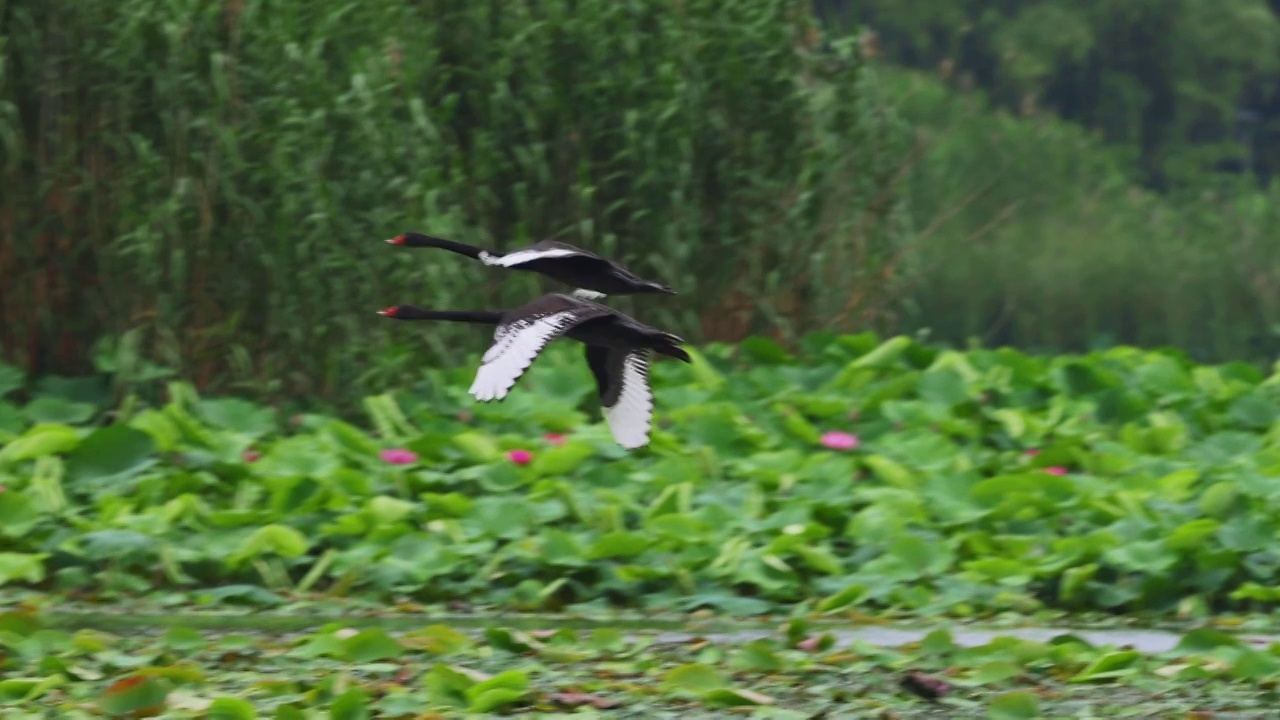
[205, 187]
[214, 179]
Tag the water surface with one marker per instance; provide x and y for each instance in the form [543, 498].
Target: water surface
[672, 630]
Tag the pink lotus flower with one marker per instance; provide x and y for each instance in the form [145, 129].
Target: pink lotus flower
[1055, 470]
[1032, 452]
[556, 439]
[520, 457]
[837, 440]
[3, 489]
[251, 455]
[398, 456]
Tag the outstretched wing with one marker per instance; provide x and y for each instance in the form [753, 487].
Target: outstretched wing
[519, 341]
[622, 377]
[545, 250]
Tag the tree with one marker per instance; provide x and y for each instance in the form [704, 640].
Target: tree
[1175, 79]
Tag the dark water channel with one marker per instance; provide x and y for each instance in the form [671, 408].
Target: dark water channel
[661, 630]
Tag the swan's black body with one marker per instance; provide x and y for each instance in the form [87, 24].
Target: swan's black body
[617, 350]
[595, 324]
[593, 276]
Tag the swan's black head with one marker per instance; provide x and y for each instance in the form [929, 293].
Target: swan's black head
[410, 239]
[413, 312]
[402, 312]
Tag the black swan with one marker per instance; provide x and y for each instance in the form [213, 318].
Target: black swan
[617, 347]
[593, 276]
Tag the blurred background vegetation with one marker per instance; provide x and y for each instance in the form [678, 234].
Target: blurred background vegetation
[202, 188]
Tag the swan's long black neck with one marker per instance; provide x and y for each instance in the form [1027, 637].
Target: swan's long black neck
[477, 317]
[418, 240]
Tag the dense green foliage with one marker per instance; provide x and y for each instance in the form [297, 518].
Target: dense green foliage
[1035, 234]
[217, 207]
[1164, 79]
[1151, 490]
[197, 193]
[217, 178]
[357, 669]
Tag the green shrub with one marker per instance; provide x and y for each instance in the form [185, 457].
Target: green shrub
[1033, 233]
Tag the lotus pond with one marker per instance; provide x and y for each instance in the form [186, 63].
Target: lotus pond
[860, 481]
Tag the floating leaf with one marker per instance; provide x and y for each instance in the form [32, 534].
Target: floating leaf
[735, 697]
[619, 545]
[694, 679]
[1205, 640]
[1254, 665]
[437, 640]
[846, 597]
[17, 513]
[386, 510]
[945, 387]
[561, 461]
[995, 671]
[351, 705]
[758, 656]
[447, 685]
[26, 567]
[497, 692]
[1110, 666]
[137, 695]
[237, 414]
[227, 708]
[273, 539]
[890, 471]
[56, 410]
[371, 645]
[1016, 705]
[26, 690]
[111, 454]
[117, 545]
[40, 441]
[763, 350]
[300, 456]
[183, 639]
[478, 447]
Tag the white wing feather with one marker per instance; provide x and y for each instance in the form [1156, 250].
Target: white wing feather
[524, 256]
[630, 417]
[514, 349]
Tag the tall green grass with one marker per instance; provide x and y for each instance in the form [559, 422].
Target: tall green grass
[1032, 233]
[207, 185]
[211, 181]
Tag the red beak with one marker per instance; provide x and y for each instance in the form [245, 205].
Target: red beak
[397, 240]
